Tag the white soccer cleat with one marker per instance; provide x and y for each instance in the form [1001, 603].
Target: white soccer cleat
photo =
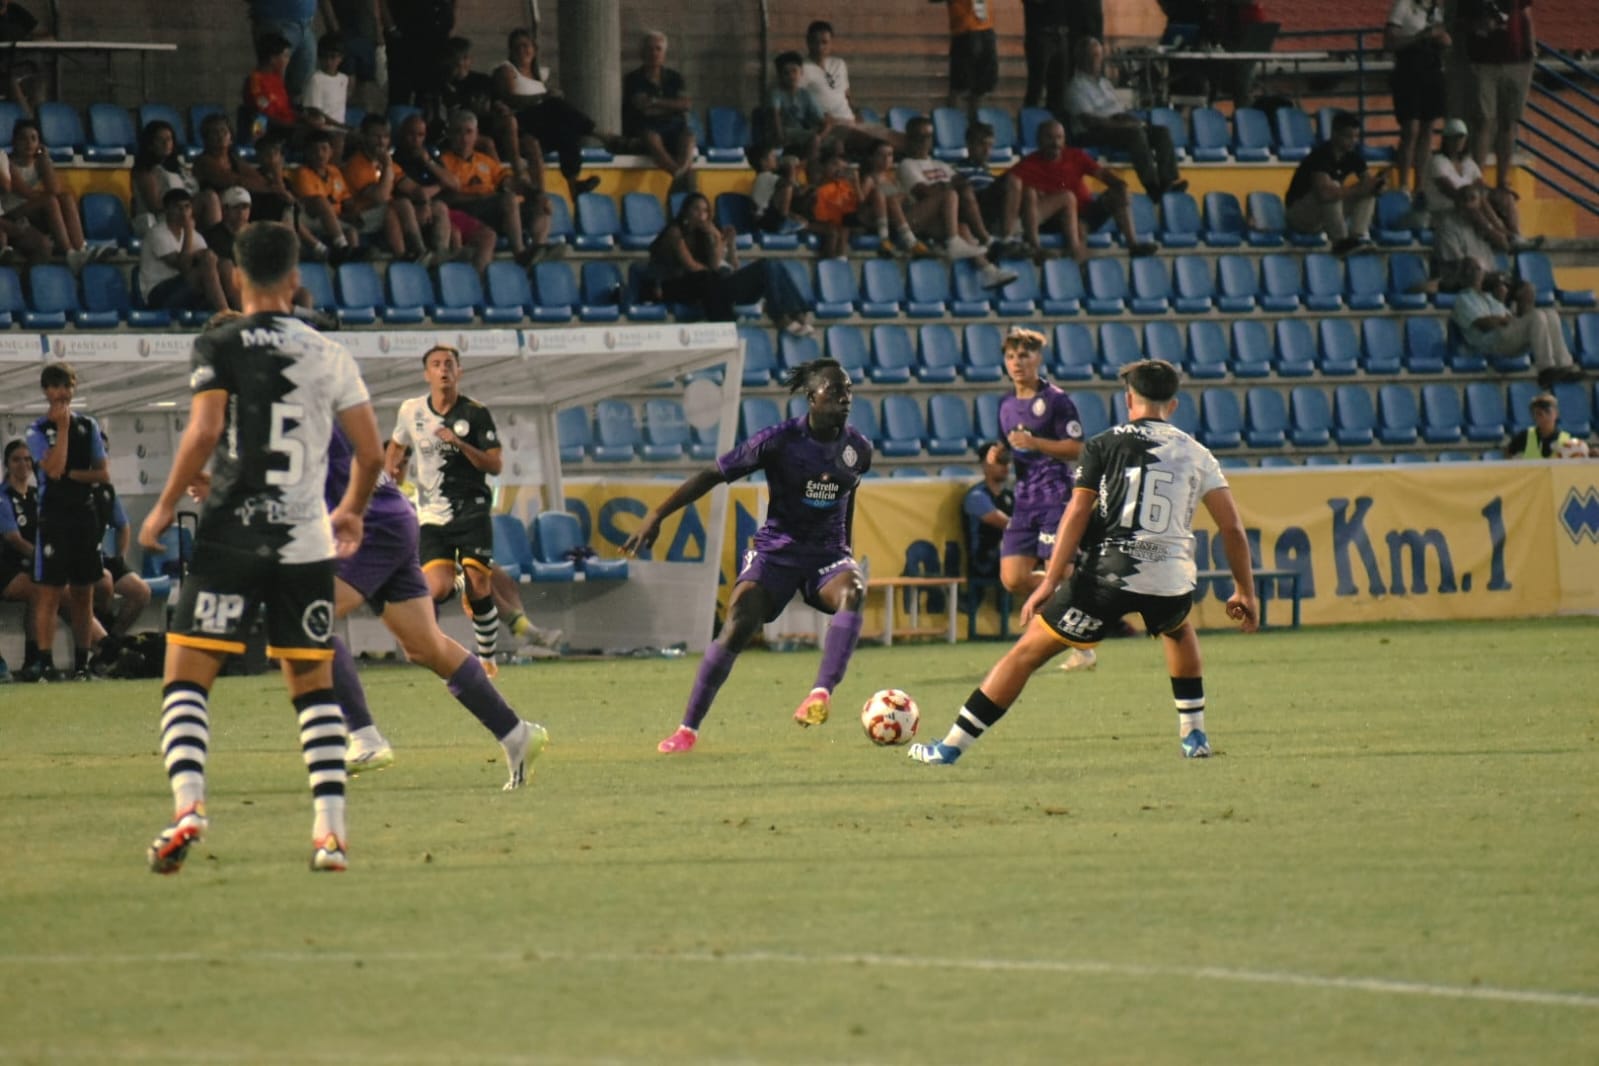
[522, 745]
[1080, 659]
[365, 754]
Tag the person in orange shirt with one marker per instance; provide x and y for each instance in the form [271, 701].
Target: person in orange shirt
[487, 191]
[322, 193]
[373, 207]
[973, 52]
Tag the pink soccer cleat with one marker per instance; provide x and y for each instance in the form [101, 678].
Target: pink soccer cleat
[813, 708]
[680, 741]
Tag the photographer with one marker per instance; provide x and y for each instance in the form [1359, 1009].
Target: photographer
[1322, 199]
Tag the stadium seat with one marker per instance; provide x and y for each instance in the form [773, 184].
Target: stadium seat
[1152, 292]
[112, 137]
[1221, 422]
[461, 297]
[1426, 345]
[1269, 219]
[1576, 407]
[1251, 136]
[160, 568]
[1265, 418]
[737, 210]
[1407, 273]
[1368, 459]
[562, 229]
[105, 290]
[1322, 459]
[1441, 414]
[1239, 282]
[985, 417]
[1196, 287]
[1310, 417]
[1210, 138]
[512, 549]
[927, 283]
[836, 292]
[105, 221]
[1324, 282]
[1389, 227]
[1073, 356]
[1207, 351]
[899, 118]
[601, 284]
[634, 304]
[53, 299]
[616, 433]
[559, 550]
[667, 434]
[1485, 412]
[949, 134]
[882, 289]
[1224, 221]
[760, 361]
[1004, 128]
[62, 130]
[642, 220]
[847, 344]
[1163, 340]
[1295, 134]
[1398, 421]
[969, 299]
[1280, 282]
[1366, 282]
[1253, 356]
[510, 296]
[894, 357]
[985, 353]
[941, 355]
[1019, 298]
[1588, 339]
[1384, 348]
[1296, 349]
[1118, 346]
[1519, 396]
[1107, 286]
[729, 135]
[904, 429]
[1457, 457]
[1063, 287]
[1535, 267]
[756, 413]
[794, 352]
[1171, 120]
[599, 225]
[1179, 221]
[572, 431]
[410, 292]
[949, 425]
[1354, 417]
[1340, 347]
[554, 285]
[1091, 412]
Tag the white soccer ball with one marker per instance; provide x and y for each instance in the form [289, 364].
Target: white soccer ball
[890, 717]
[1575, 448]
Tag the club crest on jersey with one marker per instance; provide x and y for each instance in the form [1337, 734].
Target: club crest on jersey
[317, 621]
[822, 492]
[1039, 407]
[1074, 428]
[849, 455]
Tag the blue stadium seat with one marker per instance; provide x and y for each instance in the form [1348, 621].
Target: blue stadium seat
[1340, 346]
[1185, 416]
[558, 541]
[1485, 412]
[1295, 134]
[1354, 416]
[1144, 220]
[1073, 356]
[510, 295]
[1368, 459]
[1426, 345]
[598, 222]
[1384, 347]
[1323, 460]
[756, 413]
[112, 137]
[1441, 414]
[634, 304]
[942, 356]
[1091, 412]
[1239, 282]
[601, 282]
[53, 297]
[62, 130]
[985, 416]
[1576, 407]
[572, 431]
[969, 299]
[1268, 220]
[562, 229]
[1251, 136]
[461, 297]
[949, 134]
[1207, 351]
[1224, 221]
[616, 434]
[1296, 349]
[318, 282]
[1407, 273]
[1163, 340]
[1280, 282]
[1265, 418]
[863, 416]
[1118, 346]
[985, 356]
[927, 282]
[904, 429]
[1210, 135]
[105, 221]
[1310, 417]
[106, 290]
[360, 294]
[1179, 221]
[736, 209]
[1272, 462]
[949, 425]
[1196, 287]
[1324, 282]
[882, 289]
[512, 549]
[161, 567]
[667, 434]
[1535, 267]
[1253, 355]
[1221, 422]
[1107, 286]
[729, 135]
[1004, 127]
[1398, 421]
[1366, 282]
[1171, 120]
[760, 361]
[836, 293]
[642, 220]
[1520, 394]
[1588, 339]
[1028, 122]
[847, 344]
[1063, 287]
[410, 292]
[900, 117]
[793, 352]
[1152, 293]
[1019, 298]
[894, 357]
[1389, 227]
[553, 284]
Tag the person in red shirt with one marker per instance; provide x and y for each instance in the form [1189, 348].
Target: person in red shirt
[266, 96]
[1051, 183]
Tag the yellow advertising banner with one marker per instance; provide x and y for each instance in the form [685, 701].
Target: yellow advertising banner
[1574, 496]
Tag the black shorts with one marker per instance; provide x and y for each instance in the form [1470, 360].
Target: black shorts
[1082, 607]
[468, 539]
[116, 566]
[973, 63]
[1094, 214]
[67, 551]
[10, 568]
[1419, 88]
[226, 585]
[991, 203]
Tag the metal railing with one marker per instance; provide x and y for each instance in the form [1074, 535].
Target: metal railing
[1572, 151]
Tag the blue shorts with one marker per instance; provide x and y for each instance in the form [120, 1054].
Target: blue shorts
[384, 569]
[782, 574]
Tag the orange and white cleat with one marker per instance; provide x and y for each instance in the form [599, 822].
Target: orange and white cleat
[329, 856]
[167, 851]
[490, 667]
[680, 741]
[813, 708]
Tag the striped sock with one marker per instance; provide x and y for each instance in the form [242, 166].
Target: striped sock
[185, 739]
[485, 626]
[1189, 695]
[323, 738]
[976, 718]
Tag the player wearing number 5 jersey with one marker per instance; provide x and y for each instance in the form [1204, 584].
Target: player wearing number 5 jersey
[1131, 515]
[267, 390]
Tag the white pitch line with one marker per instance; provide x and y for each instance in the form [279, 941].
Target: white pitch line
[1377, 985]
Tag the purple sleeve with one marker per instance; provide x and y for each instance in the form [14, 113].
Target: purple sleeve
[1065, 424]
[748, 457]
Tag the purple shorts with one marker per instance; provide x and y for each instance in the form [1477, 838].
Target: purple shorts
[1032, 531]
[782, 574]
[384, 569]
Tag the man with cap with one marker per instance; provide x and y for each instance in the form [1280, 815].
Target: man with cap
[1492, 328]
[1544, 439]
[177, 269]
[220, 237]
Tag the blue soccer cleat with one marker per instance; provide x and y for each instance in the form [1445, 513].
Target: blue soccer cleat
[1196, 745]
[935, 754]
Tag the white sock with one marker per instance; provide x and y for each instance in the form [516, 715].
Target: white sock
[1188, 722]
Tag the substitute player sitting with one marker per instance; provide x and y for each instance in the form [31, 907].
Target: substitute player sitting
[456, 447]
[1131, 514]
[813, 464]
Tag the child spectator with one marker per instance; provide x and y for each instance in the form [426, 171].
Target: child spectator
[327, 94]
[267, 107]
[983, 197]
[774, 190]
[322, 191]
[177, 271]
[791, 119]
[838, 196]
[486, 191]
[30, 191]
[883, 204]
[371, 173]
[220, 237]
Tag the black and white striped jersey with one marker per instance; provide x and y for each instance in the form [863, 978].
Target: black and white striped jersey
[446, 481]
[1150, 476]
[286, 384]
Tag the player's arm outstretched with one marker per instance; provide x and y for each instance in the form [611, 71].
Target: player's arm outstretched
[1241, 606]
[360, 425]
[1068, 536]
[692, 488]
[207, 415]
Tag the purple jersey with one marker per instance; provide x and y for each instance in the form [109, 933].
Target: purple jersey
[388, 502]
[810, 485]
[1050, 414]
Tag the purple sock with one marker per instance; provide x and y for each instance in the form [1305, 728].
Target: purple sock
[347, 687]
[714, 668]
[470, 685]
[837, 646]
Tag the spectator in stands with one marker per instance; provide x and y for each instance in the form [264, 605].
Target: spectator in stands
[543, 118]
[655, 107]
[219, 237]
[267, 107]
[412, 36]
[487, 192]
[370, 174]
[883, 204]
[31, 191]
[1464, 222]
[973, 53]
[159, 166]
[461, 87]
[1499, 45]
[422, 181]
[219, 168]
[933, 204]
[22, 74]
[177, 271]
[776, 191]
[1321, 199]
[19, 520]
[826, 77]
[792, 119]
[987, 508]
[1046, 41]
[1492, 328]
[289, 21]
[1544, 439]
[1416, 36]
[1050, 183]
[835, 212]
[355, 23]
[1100, 120]
[320, 188]
[982, 194]
[327, 94]
[697, 264]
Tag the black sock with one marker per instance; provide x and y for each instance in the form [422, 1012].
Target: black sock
[979, 714]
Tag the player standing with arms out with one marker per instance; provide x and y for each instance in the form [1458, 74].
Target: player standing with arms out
[71, 461]
[813, 464]
[1132, 515]
[269, 389]
[456, 448]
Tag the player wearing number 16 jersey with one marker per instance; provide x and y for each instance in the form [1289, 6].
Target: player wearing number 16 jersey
[1131, 516]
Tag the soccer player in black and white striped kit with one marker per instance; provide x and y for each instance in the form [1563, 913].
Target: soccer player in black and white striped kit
[1131, 516]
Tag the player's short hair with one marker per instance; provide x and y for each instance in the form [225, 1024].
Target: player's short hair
[1022, 337]
[916, 126]
[807, 376]
[12, 446]
[267, 253]
[55, 375]
[455, 353]
[1153, 379]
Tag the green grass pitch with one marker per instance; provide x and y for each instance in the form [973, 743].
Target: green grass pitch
[1392, 859]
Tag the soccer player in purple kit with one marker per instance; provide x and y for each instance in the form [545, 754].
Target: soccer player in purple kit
[813, 464]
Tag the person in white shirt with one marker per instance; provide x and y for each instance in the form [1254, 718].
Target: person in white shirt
[177, 272]
[932, 203]
[1491, 328]
[1465, 224]
[327, 92]
[1100, 120]
[826, 77]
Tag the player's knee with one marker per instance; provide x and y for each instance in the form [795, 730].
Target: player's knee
[854, 596]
